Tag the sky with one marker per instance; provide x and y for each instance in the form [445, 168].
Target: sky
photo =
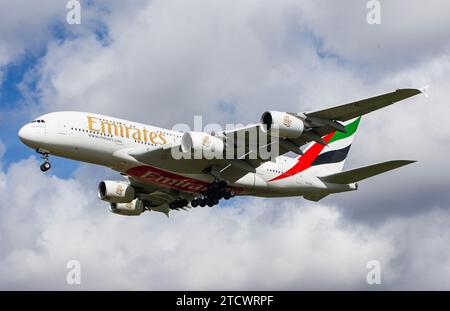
[163, 62]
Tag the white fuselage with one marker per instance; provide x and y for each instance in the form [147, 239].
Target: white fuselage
[106, 141]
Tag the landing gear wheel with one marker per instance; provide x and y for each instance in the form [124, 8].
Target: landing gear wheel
[216, 191]
[45, 166]
[179, 203]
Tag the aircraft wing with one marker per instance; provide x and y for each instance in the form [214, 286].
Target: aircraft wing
[361, 107]
[229, 169]
[358, 108]
[316, 125]
[319, 123]
[151, 154]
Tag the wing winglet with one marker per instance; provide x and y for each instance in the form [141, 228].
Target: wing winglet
[424, 90]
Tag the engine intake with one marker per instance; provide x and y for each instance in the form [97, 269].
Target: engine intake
[202, 145]
[282, 124]
[115, 191]
[133, 208]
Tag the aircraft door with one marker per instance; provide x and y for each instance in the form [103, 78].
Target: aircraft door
[62, 128]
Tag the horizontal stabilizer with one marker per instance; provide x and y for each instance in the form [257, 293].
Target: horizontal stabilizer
[361, 173]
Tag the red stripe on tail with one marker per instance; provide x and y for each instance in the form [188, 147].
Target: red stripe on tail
[305, 160]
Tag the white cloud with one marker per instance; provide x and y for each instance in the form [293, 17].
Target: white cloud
[2, 152]
[410, 31]
[2, 149]
[166, 56]
[25, 25]
[28, 27]
[262, 244]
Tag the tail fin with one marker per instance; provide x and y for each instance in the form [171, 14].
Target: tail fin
[330, 159]
[325, 160]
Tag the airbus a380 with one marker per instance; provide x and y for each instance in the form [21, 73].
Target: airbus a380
[156, 179]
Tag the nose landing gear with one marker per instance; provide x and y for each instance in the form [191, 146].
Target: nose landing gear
[46, 165]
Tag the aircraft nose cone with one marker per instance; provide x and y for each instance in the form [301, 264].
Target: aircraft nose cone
[26, 135]
[23, 133]
[33, 135]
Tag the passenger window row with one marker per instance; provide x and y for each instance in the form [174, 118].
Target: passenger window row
[90, 132]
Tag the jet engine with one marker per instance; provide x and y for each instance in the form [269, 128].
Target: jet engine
[133, 208]
[282, 124]
[200, 143]
[115, 191]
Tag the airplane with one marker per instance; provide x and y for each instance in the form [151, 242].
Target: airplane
[155, 178]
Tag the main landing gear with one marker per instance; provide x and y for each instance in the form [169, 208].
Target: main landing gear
[46, 165]
[216, 191]
[180, 203]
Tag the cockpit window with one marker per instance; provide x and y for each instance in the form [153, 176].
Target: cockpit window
[38, 121]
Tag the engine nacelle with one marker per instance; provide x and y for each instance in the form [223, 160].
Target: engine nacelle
[133, 208]
[115, 191]
[202, 144]
[282, 124]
